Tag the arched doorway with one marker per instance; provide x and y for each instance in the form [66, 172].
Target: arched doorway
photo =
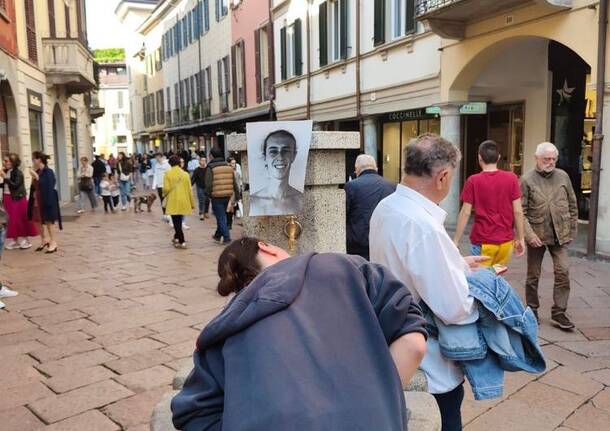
[8, 120]
[536, 89]
[60, 152]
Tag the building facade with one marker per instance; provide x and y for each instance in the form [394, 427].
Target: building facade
[46, 76]
[112, 131]
[204, 66]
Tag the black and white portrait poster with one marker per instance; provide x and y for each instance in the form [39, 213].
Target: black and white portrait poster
[277, 162]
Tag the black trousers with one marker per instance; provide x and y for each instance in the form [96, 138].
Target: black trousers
[177, 222]
[108, 203]
[450, 405]
[160, 193]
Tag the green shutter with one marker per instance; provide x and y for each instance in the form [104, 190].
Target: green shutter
[379, 36]
[343, 28]
[298, 47]
[323, 17]
[283, 56]
[411, 24]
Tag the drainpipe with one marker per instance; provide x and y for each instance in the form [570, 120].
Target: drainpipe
[308, 31]
[358, 85]
[598, 138]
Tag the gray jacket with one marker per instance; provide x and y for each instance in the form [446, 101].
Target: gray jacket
[549, 207]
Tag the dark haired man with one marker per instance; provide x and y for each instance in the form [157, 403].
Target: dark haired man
[277, 197]
[99, 169]
[220, 184]
[496, 198]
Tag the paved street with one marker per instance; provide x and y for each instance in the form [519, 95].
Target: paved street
[98, 330]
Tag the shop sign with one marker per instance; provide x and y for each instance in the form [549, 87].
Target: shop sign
[413, 114]
[34, 101]
[474, 108]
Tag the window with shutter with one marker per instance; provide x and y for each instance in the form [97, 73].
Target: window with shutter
[79, 22]
[51, 7]
[206, 15]
[298, 47]
[3, 7]
[379, 22]
[244, 94]
[209, 82]
[67, 21]
[227, 81]
[234, 74]
[283, 54]
[323, 32]
[220, 74]
[168, 98]
[30, 29]
[257, 65]
[411, 24]
[217, 9]
[343, 27]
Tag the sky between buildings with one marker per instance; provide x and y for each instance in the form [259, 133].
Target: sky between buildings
[103, 27]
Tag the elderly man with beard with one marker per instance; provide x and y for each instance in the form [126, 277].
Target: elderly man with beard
[551, 216]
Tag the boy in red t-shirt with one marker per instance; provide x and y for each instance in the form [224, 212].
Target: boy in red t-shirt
[496, 198]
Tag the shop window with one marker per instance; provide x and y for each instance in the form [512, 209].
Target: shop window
[36, 142]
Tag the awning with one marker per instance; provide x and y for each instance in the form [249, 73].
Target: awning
[224, 118]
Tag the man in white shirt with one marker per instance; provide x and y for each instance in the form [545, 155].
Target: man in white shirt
[161, 166]
[407, 235]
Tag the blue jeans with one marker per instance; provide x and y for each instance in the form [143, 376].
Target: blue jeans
[125, 187]
[96, 182]
[204, 200]
[219, 208]
[2, 238]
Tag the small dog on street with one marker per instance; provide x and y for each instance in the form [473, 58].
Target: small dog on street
[144, 199]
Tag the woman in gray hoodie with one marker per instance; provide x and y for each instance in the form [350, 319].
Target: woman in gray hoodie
[315, 342]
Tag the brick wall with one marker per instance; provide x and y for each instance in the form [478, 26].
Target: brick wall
[8, 31]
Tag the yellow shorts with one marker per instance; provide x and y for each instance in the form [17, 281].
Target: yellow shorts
[498, 253]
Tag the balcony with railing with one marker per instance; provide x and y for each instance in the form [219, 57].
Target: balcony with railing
[448, 18]
[68, 63]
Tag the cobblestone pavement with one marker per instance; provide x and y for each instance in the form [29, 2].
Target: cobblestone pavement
[98, 329]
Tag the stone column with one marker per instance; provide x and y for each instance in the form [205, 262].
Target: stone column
[370, 137]
[323, 214]
[451, 130]
[603, 213]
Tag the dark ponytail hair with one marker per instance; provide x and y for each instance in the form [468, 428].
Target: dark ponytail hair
[39, 155]
[238, 266]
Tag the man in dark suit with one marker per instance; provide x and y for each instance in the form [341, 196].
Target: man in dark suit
[362, 196]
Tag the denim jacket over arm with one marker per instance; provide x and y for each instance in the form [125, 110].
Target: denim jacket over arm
[504, 338]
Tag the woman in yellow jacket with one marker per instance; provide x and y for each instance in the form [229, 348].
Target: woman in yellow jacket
[179, 200]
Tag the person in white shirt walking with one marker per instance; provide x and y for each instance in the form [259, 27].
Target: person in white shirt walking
[161, 167]
[407, 235]
[86, 186]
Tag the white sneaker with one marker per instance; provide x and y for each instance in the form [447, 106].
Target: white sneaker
[5, 292]
[123, 208]
[2, 305]
[11, 244]
[25, 244]
[185, 227]
[80, 211]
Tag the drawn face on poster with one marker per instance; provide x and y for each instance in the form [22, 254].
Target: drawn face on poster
[277, 162]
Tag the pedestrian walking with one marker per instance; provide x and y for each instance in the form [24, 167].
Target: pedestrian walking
[362, 196]
[146, 172]
[99, 169]
[347, 368]
[220, 184]
[495, 196]
[408, 236]
[43, 206]
[233, 205]
[179, 198]
[124, 170]
[551, 218]
[198, 180]
[193, 163]
[86, 186]
[19, 228]
[115, 190]
[161, 167]
[5, 292]
[106, 193]
[112, 163]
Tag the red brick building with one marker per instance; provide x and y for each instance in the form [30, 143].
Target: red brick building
[8, 50]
